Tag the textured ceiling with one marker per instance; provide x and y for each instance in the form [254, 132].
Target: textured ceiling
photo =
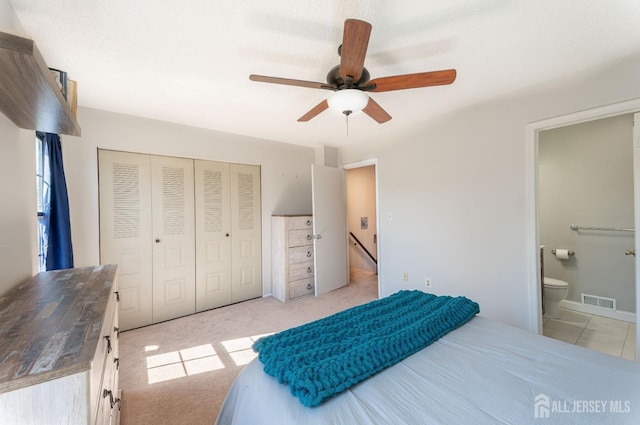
[188, 61]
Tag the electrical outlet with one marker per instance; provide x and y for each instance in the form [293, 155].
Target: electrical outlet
[427, 282]
[405, 276]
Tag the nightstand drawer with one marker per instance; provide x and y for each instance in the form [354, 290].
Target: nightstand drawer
[301, 254]
[302, 222]
[301, 271]
[300, 288]
[300, 237]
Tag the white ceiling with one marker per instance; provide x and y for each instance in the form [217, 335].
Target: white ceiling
[189, 61]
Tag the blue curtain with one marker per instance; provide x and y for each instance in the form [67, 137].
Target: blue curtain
[57, 226]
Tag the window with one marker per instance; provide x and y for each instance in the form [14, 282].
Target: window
[42, 191]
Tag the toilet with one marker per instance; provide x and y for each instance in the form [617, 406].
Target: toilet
[555, 290]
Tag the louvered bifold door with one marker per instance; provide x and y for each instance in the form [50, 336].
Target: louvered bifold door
[246, 232]
[125, 231]
[213, 234]
[173, 237]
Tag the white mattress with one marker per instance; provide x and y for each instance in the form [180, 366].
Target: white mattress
[482, 373]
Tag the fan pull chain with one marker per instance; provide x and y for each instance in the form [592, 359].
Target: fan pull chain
[346, 116]
[347, 119]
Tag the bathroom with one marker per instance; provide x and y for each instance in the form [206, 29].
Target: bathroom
[585, 179]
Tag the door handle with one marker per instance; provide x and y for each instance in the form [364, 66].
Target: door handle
[630, 252]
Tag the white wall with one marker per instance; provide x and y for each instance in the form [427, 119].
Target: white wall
[286, 170]
[8, 18]
[457, 186]
[17, 190]
[18, 211]
[586, 178]
[361, 202]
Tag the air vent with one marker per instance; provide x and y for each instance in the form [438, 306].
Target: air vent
[603, 302]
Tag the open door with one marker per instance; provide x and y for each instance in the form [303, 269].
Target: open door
[636, 213]
[329, 228]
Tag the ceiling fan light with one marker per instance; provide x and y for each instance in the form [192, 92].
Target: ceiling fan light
[352, 100]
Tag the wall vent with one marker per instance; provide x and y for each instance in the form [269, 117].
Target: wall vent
[603, 302]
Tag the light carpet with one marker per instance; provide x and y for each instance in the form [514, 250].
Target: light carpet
[178, 372]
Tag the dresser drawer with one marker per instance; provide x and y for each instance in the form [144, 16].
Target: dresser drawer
[105, 346]
[301, 271]
[104, 380]
[301, 254]
[300, 288]
[300, 237]
[302, 222]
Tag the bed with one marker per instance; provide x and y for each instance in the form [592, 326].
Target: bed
[483, 372]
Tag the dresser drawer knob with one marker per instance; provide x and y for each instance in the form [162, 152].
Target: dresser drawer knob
[112, 401]
[117, 331]
[308, 253]
[309, 286]
[309, 237]
[109, 348]
[117, 296]
[309, 269]
[116, 360]
[108, 393]
[308, 222]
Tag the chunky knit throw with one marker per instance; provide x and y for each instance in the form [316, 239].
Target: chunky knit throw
[321, 359]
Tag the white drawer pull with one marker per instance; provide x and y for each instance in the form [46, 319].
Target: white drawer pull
[309, 270]
[308, 253]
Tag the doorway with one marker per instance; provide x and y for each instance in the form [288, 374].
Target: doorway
[585, 209]
[362, 222]
[533, 132]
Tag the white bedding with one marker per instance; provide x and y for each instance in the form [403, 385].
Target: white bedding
[482, 373]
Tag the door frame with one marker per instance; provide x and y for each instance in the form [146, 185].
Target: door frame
[360, 164]
[532, 238]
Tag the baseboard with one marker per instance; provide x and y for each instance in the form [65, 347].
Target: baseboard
[598, 311]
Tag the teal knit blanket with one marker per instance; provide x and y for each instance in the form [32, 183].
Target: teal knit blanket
[321, 359]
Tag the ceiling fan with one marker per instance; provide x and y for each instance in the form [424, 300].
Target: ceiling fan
[350, 80]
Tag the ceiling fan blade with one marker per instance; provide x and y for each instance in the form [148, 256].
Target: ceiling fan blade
[376, 112]
[315, 111]
[291, 82]
[354, 48]
[412, 81]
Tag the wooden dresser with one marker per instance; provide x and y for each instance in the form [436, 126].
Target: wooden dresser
[292, 266]
[59, 349]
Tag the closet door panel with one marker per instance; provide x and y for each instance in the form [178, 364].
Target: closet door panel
[172, 200]
[213, 241]
[125, 231]
[246, 232]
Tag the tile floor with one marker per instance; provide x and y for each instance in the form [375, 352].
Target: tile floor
[610, 336]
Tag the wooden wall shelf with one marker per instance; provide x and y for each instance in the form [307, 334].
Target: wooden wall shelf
[29, 95]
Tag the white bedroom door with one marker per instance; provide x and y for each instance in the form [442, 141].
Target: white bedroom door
[636, 203]
[125, 233]
[172, 200]
[329, 228]
[213, 242]
[228, 233]
[246, 232]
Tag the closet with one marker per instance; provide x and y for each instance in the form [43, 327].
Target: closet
[186, 233]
